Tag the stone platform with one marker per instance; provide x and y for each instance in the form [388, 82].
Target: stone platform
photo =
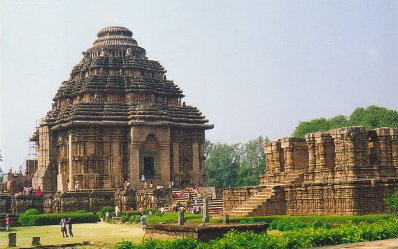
[203, 232]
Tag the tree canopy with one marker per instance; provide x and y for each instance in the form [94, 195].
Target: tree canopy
[234, 164]
[370, 117]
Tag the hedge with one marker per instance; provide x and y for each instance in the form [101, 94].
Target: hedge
[304, 238]
[310, 219]
[81, 216]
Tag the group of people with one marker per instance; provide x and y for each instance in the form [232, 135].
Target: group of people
[29, 191]
[66, 227]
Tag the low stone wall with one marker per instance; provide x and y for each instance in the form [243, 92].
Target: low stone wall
[203, 232]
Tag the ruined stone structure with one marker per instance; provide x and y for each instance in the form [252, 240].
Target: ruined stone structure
[117, 118]
[344, 171]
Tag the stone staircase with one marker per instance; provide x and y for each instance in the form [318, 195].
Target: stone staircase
[266, 201]
[215, 205]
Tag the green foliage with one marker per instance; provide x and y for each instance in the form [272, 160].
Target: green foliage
[370, 117]
[392, 201]
[310, 219]
[103, 211]
[234, 165]
[124, 218]
[170, 217]
[298, 238]
[31, 218]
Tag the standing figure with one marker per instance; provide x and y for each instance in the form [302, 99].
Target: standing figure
[143, 221]
[63, 227]
[7, 222]
[69, 223]
[117, 211]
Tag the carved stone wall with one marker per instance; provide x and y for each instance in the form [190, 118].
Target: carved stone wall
[343, 171]
[117, 118]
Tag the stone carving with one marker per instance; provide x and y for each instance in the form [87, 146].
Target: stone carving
[345, 171]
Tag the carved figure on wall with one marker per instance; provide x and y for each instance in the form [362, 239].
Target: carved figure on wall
[128, 52]
[95, 97]
[102, 53]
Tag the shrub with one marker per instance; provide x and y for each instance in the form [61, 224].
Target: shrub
[300, 238]
[103, 211]
[54, 219]
[135, 219]
[124, 218]
[392, 201]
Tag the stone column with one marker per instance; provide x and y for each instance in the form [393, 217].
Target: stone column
[289, 158]
[196, 164]
[35, 241]
[134, 164]
[70, 163]
[12, 240]
[394, 147]
[311, 155]
[165, 163]
[205, 210]
[181, 219]
[176, 163]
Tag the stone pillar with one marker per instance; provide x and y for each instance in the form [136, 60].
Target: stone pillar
[165, 163]
[181, 219]
[196, 175]
[311, 152]
[176, 163]
[289, 158]
[205, 217]
[35, 241]
[320, 153]
[70, 163]
[394, 147]
[12, 240]
[225, 219]
[134, 164]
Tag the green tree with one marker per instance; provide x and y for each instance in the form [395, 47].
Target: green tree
[370, 117]
[222, 164]
[252, 162]
[234, 164]
[374, 117]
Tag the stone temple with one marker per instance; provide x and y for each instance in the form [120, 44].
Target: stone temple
[345, 171]
[116, 119]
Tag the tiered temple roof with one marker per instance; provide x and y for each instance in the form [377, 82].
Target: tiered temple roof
[116, 84]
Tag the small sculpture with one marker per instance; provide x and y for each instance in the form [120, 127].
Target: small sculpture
[128, 52]
[95, 97]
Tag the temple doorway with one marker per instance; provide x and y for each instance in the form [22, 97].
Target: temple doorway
[149, 167]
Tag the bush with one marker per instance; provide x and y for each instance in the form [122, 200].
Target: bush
[135, 219]
[300, 238]
[103, 211]
[392, 201]
[54, 219]
[124, 218]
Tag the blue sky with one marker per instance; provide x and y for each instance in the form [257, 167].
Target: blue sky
[252, 67]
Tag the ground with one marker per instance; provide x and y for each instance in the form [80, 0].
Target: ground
[103, 233]
[379, 244]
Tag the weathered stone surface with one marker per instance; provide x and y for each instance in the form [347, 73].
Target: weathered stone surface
[116, 119]
[345, 171]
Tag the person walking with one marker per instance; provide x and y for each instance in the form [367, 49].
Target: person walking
[69, 224]
[63, 227]
[7, 222]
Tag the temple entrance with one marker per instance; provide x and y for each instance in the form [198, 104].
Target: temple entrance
[149, 167]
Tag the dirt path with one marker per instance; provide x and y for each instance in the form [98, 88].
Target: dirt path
[378, 244]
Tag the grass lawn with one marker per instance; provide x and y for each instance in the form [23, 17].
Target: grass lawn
[102, 233]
